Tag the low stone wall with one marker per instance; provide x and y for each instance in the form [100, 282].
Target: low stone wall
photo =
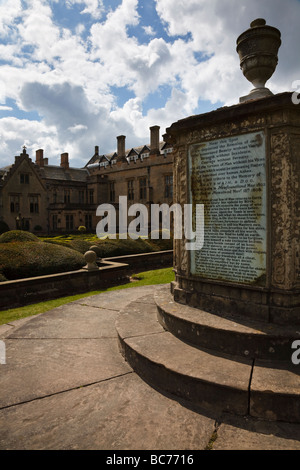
[113, 271]
[145, 261]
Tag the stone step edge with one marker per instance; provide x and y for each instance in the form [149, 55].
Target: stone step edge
[199, 392]
[255, 403]
[224, 334]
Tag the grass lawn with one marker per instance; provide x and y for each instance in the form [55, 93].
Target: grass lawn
[158, 276]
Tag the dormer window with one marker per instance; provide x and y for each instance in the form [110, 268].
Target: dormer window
[166, 151]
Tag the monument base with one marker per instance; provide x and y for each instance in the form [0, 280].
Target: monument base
[256, 94]
[281, 307]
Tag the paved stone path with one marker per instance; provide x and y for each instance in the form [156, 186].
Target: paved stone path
[65, 385]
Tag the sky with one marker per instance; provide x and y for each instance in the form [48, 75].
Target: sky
[76, 74]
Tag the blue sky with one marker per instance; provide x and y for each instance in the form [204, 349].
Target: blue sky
[75, 74]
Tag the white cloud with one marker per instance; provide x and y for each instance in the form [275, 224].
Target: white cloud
[94, 8]
[80, 28]
[149, 30]
[14, 133]
[77, 128]
[66, 75]
[10, 10]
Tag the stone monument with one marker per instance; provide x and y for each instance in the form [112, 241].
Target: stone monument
[243, 163]
[228, 326]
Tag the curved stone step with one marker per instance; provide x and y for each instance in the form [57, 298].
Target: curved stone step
[164, 361]
[237, 336]
[275, 391]
[213, 381]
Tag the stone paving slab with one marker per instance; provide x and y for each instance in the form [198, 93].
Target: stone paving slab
[250, 434]
[66, 386]
[121, 414]
[40, 367]
[69, 321]
[116, 299]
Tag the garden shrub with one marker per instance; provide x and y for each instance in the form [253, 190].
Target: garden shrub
[80, 245]
[21, 260]
[56, 241]
[18, 236]
[111, 247]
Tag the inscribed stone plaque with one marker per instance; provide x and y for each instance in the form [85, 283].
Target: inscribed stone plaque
[228, 176]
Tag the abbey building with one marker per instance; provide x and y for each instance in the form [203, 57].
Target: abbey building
[48, 199]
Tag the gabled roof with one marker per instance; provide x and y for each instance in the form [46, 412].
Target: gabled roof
[103, 158]
[145, 149]
[18, 161]
[133, 152]
[166, 145]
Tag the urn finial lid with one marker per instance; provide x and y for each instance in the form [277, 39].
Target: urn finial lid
[257, 22]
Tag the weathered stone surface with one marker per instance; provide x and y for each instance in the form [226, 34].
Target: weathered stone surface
[116, 412]
[112, 299]
[277, 299]
[275, 391]
[123, 413]
[70, 321]
[229, 334]
[202, 377]
[202, 358]
[39, 367]
[248, 434]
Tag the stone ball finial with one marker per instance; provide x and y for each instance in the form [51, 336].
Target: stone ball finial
[90, 258]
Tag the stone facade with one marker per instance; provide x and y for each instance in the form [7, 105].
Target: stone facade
[50, 199]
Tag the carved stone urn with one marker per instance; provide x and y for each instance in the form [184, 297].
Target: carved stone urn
[258, 52]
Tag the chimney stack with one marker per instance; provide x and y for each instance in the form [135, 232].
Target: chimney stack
[39, 157]
[64, 160]
[96, 150]
[121, 148]
[154, 139]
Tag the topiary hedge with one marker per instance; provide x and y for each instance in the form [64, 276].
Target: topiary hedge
[20, 260]
[110, 247]
[18, 236]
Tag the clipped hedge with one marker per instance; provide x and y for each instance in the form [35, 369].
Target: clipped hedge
[110, 247]
[18, 236]
[19, 260]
